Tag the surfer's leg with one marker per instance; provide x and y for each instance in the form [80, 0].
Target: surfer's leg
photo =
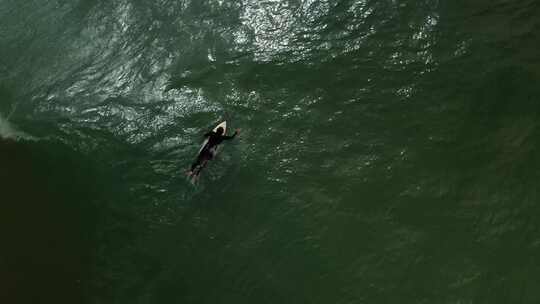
[201, 162]
[201, 166]
[196, 164]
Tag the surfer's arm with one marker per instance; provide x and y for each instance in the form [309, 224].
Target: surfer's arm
[233, 136]
[208, 134]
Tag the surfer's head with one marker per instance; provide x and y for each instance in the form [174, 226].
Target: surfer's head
[219, 131]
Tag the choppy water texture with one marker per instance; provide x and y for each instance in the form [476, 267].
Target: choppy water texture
[389, 151]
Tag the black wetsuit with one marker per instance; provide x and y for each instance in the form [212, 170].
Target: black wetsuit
[207, 153]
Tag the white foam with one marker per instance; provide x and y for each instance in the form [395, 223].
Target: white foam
[8, 131]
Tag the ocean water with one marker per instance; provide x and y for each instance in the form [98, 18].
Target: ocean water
[389, 152]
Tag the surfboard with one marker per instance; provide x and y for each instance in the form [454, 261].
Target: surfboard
[223, 125]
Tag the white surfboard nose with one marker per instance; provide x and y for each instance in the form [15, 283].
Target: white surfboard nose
[222, 125]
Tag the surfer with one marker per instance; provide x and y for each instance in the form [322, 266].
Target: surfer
[209, 150]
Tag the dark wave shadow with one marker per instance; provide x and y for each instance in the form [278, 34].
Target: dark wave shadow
[47, 222]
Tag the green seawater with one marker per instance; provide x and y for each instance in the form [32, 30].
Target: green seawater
[389, 153]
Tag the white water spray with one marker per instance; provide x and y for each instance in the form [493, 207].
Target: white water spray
[8, 131]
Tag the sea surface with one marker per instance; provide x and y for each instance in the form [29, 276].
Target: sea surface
[389, 151]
